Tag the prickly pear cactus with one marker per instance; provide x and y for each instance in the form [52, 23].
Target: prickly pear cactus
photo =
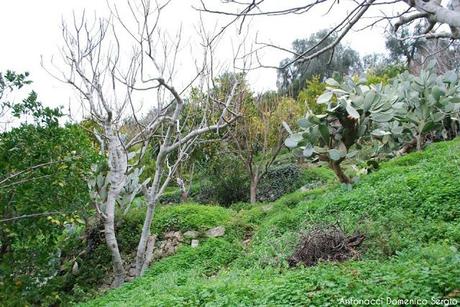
[353, 108]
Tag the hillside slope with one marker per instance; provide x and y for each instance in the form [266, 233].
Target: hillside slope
[409, 211]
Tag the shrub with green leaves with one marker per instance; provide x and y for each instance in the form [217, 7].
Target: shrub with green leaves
[278, 181]
[44, 204]
[225, 182]
[383, 74]
[310, 94]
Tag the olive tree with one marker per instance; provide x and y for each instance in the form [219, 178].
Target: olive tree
[342, 59]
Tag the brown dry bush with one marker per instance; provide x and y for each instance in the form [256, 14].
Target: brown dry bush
[325, 243]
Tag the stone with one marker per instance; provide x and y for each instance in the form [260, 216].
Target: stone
[267, 208]
[215, 232]
[166, 248]
[132, 272]
[191, 234]
[195, 243]
[173, 235]
[75, 268]
[157, 253]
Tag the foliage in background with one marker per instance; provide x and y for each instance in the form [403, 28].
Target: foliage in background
[416, 50]
[225, 182]
[256, 138]
[292, 78]
[310, 94]
[280, 180]
[383, 75]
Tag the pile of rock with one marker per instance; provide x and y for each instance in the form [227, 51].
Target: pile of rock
[169, 245]
[173, 239]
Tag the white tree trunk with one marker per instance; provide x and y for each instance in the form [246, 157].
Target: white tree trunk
[152, 197]
[442, 14]
[253, 189]
[117, 177]
[141, 257]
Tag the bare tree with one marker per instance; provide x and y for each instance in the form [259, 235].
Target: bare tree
[433, 11]
[110, 83]
[92, 61]
[417, 51]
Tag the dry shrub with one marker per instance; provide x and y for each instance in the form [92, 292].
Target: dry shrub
[325, 243]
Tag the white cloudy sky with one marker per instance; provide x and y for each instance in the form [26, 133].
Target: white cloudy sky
[31, 29]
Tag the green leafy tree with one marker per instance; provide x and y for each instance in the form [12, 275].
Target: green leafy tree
[30, 106]
[43, 197]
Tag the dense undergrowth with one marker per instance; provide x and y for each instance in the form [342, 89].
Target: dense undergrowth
[408, 210]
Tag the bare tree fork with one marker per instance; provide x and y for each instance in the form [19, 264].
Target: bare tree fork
[172, 141]
[431, 11]
[175, 141]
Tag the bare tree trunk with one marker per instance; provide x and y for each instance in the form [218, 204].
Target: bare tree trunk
[335, 166]
[419, 139]
[112, 244]
[183, 190]
[117, 177]
[253, 189]
[142, 246]
[152, 195]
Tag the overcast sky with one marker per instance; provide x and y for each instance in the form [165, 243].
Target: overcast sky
[31, 29]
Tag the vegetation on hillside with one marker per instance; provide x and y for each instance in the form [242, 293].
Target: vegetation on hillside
[408, 211]
[339, 187]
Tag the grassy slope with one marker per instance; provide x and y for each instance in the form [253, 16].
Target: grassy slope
[409, 211]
